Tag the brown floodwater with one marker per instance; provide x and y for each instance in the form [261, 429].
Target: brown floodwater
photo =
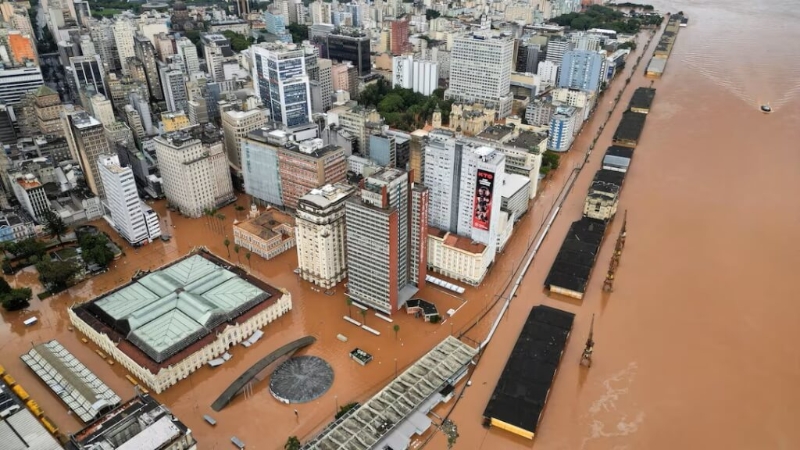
[694, 346]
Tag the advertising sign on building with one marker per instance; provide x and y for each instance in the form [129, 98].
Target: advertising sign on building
[484, 187]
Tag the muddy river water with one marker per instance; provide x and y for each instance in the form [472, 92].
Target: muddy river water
[695, 346]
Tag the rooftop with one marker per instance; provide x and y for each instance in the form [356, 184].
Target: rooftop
[622, 152]
[630, 127]
[496, 132]
[166, 315]
[458, 242]
[266, 225]
[82, 120]
[527, 140]
[573, 264]
[327, 195]
[400, 398]
[530, 371]
[610, 176]
[142, 422]
[642, 98]
[512, 183]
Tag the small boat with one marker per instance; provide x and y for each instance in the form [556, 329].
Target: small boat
[766, 108]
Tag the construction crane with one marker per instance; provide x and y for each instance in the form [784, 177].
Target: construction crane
[608, 284]
[586, 357]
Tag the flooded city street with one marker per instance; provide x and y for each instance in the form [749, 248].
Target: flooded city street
[694, 348]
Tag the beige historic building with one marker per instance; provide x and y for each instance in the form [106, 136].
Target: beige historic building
[457, 257]
[166, 324]
[267, 234]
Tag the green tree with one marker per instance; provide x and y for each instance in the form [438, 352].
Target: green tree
[16, 299]
[54, 225]
[221, 218]
[57, 275]
[26, 248]
[238, 41]
[344, 408]
[363, 313]
[292, 443]
[396, 329]
[350, 307]
[94, 249]
[299, 32]
[247, 257]
[238, 208]
[236, 250]
[431, 14]
[227, 243]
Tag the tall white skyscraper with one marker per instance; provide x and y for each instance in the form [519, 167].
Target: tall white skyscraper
[281, 82]
[480, 71]
[418, 75]
[188, 53]
[442, 164]
[124, 31]
[123, 201]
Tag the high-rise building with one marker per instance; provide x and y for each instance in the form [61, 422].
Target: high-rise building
[323, 100]
[276, 24]
[564, 124]
[379, 236]
[216, 48]
[282, 82]
[480, 71]
[260, 167]
[320, 12]
[399, 34]
[102, 34]
[308, 165]
[42, 113]
[548, 73]
[31, 194]
[320, 234]
[527, 58]
[101, 109]
[123, 201]
[236, 124]
[556, 47]
[164, 46]
[581, 69]
[194, 169]
[87, 141]
[418, 75]
[482, 176]
[16, 81]
[173, 83]
[442, 175]
[146, 53]
[354, 48]
[383, 150]
[124, 31]
[187, 51]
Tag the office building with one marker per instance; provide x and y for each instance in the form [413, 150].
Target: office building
[124, 31]
[20, 429]
[194, 169]
[557, 46]
[564, 124]
[548, 73]
[581, 69]
[173, 82]
[41, 111]
[418, 75]
[383, 150]
[354, 48]
[481, 179]
[123, 201]
[285, 92]
[87, 141]
[308, 165]
[260, 167]
[320, 234]
[187, 51]
[236, 124]
[171, 332]
[31, 194]
[216, 48]
[100, 108]
[480, 71]
[276, 25]
[320, 12]
[267, 234]
[141, 422]
[399, 34]
[146, 53]
[380, 234]
[325, 87]
[16, 81]
[527, 58]
[442, 176]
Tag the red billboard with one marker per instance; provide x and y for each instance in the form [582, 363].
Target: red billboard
[482, 208]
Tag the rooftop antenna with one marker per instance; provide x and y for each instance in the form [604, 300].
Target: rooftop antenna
[586, 358]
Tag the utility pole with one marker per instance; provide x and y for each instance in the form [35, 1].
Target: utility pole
[586, 358]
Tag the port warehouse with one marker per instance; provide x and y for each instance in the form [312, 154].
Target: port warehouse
[520, 396]
[569, 275]
[657, 65]
[23, 424]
